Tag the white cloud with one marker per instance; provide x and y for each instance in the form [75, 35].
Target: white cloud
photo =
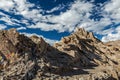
[22, 6]
[68, 20]
[112, 10]
[96, 26]
[21, 28]
[112, 36]
[50, 41]
[2, 27]
[59, 7]
[6, 5]
[18, 8]
[107, 31]
[8, 20]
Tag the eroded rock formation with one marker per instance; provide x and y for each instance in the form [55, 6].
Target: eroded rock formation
[79, 56]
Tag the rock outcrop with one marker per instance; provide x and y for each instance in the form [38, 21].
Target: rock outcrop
[19, 55]
[79, 56]
[89, 52]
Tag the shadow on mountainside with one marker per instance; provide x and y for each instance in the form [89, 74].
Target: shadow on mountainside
[64, 64]
[61, 63]
[31, 57]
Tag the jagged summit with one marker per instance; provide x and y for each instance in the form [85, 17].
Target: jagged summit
[78, 56]
[80, 32]
[78, 36]
[84, 34]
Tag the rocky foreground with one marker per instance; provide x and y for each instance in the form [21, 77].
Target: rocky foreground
[79, 56]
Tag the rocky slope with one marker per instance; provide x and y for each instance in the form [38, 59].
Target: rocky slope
[79, 56]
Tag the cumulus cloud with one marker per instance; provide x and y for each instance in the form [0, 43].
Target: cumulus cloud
[50, 41]
[6, 4]
[114, 35]
[2, 27]
[66, 21]
[112, 10]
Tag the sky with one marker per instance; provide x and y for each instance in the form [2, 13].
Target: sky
[54, 19]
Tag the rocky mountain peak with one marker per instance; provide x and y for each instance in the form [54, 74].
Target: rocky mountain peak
[78, 36]
[81, 33]
[78, 56]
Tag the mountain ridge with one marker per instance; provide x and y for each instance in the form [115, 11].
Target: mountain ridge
[78, 56]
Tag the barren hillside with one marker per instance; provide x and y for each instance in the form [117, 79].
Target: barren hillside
[79, 56]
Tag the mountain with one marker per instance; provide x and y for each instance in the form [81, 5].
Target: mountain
[80, 56]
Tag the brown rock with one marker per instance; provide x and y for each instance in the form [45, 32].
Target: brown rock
[78, 56]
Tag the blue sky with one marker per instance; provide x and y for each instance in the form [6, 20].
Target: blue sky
[54, 19]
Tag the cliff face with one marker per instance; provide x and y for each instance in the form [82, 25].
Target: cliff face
[78, 56]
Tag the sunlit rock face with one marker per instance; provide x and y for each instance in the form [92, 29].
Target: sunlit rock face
[78, 56]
